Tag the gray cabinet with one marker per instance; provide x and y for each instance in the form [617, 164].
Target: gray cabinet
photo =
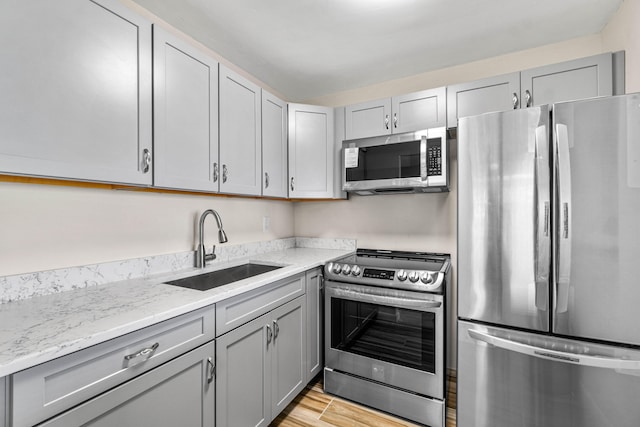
[240, 134]
[178, 393]
[49, 389]
[3, 402]
[405, 113]
[274, 146]
[76, 91]
[260, 366]
[565, 81]
[185, 101]
[311, 151]
[315, 350]
[498, 93]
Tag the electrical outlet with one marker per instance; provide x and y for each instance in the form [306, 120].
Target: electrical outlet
[266, 223]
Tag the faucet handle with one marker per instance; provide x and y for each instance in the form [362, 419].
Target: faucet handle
[211, 256]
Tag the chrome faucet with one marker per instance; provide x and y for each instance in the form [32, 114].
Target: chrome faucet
[201, 254]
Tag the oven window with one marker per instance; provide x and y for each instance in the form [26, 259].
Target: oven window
[396, 335]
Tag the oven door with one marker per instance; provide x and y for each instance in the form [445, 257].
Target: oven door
[390, 336]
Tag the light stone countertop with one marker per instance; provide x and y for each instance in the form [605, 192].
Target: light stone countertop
[39, 329]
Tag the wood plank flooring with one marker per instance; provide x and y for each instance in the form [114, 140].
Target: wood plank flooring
[315, 408]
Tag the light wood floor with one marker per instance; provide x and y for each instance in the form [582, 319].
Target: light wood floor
[315, 408]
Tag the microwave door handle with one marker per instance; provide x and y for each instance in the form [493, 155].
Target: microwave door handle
[564, 231]
[555, 355]
[542, 236]
[423, 158]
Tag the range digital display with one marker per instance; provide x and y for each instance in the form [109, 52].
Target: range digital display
[374, 273]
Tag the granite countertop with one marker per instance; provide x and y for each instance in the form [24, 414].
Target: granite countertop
[39, 329]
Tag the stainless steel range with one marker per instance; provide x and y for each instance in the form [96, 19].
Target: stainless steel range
[385, 332]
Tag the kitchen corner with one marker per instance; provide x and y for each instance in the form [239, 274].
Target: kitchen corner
[80, 311]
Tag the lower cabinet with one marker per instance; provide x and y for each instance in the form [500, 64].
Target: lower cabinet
[3, 402]
[178, 393]
[315, 350]
[261, 366]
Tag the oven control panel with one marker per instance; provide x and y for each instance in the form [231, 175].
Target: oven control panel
[420, 280]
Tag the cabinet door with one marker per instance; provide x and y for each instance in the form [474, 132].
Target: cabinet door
[568, 81]
[76, 91]
[498, 93]
[185, 96]
[419, 110]
[315, 350]
[240, 129]
[178, 393]
[288, 355]
[243, 380]
[3, 402]
[368, 119]
[310, 151]
[274, 146]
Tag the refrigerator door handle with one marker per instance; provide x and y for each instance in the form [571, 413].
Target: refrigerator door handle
[542, 239]
[555, 355]
[563, 278]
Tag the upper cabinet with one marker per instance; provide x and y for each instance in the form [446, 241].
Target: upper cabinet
[405, 113]
[274, 146]
[311, 151]
[566, 81]
[76, 91]
[499, 93]
[185, 89]
[240, 134]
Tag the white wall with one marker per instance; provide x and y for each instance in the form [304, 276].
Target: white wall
[45, 227]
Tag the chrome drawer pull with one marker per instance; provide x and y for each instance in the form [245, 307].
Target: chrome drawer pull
[143, 355]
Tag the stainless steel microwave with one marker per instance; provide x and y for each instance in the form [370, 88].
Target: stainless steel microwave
[415, 162]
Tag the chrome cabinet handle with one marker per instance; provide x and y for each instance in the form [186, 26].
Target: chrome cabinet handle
[515, 100]
[269, 335]
[386, 121]
[395, 120]
[146, 160]
[292, 187]
[225, 173]
[276, 329]
[215, 172]
[140, 355]
[528, 98]
[560, 356]
[211, 370]
[266, 180]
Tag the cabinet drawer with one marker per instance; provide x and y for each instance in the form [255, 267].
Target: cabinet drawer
[46, 390]
[243, 308]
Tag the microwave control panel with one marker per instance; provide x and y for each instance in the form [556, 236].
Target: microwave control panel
[434, 157]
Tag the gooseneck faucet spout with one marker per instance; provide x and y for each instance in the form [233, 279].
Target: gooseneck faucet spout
[201, 255]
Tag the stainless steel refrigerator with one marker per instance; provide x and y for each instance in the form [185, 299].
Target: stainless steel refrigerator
[549, 266]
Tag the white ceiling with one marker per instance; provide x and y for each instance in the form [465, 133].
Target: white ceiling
[309, 48]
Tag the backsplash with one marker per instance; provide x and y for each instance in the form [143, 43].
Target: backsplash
[23, 286]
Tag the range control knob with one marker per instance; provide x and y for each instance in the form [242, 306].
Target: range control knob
[413, 276]
[355, 271]
[337, 268]
[401, 275]
[426, 278]
[346, 270]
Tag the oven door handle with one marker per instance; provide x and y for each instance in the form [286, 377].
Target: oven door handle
[418, 304]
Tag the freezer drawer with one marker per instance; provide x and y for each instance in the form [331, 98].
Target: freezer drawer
[516, 379]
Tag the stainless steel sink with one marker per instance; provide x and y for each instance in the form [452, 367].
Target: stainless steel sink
[206, 281]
